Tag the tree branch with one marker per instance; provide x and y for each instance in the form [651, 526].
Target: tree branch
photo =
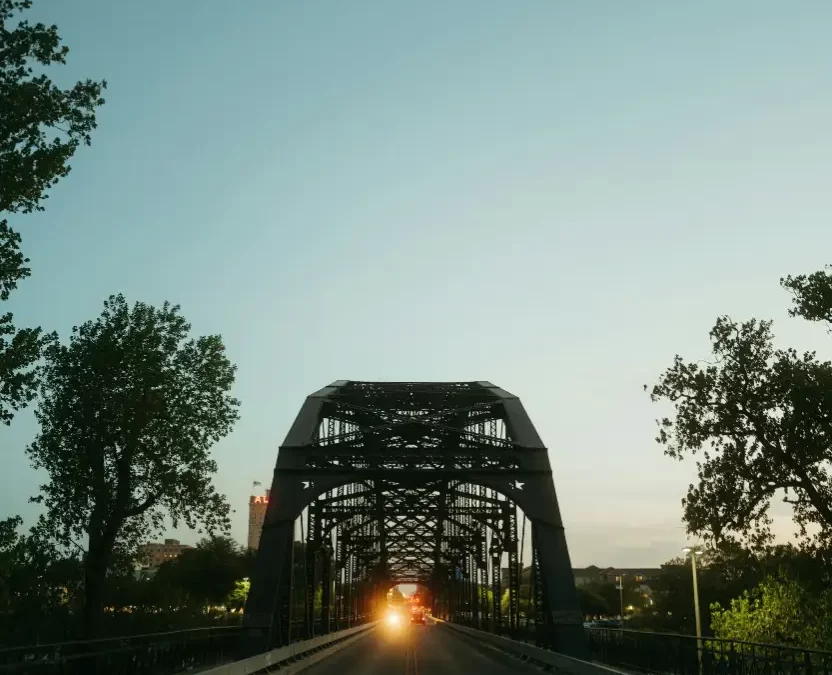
[144, 506]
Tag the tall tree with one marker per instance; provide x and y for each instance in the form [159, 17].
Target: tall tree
[41, 127]
[760, 420]
[128, 413]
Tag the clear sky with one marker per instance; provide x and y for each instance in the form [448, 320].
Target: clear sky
[553, 196]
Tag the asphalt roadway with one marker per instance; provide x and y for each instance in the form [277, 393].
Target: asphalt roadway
[430, 649]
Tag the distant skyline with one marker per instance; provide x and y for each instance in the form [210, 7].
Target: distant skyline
[556, 197]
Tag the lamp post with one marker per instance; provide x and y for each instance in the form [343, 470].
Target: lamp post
[693, 552]
[620, 580]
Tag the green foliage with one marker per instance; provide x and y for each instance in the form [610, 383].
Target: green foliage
[236, 600]
[725, 574]
[205, 575]
[41, 126]
[8, 559]
[249, 561]
[12, 263]
[42, 590]
[40, 585]
[778, 611]
[603, 598]
[595, 603]
[20, 349]
[811, 295]
[760, 421]
[524, 603]
[129, 411]
[673, 591]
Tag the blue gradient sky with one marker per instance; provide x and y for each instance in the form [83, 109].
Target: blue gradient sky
[554, 196]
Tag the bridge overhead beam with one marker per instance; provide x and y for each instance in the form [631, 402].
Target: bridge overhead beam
[413, 482]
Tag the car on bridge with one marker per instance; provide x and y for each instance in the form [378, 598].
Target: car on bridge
[417, 615]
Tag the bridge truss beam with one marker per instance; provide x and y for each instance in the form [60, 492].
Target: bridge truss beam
[413, 482]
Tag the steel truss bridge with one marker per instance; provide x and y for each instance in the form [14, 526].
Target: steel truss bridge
[445, 485]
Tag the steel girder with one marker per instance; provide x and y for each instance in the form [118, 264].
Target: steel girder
[413, 482]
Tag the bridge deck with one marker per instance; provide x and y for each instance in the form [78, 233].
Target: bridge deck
[415, 650]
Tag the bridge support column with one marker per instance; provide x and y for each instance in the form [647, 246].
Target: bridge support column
[326, 591]
[263, 617]
[563, 621]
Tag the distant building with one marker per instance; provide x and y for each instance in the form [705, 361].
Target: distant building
[257, 505]
[588, 575]
[152, 555]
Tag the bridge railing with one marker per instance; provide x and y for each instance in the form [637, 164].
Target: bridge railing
[685, 655]
[301, 630]
[154, 653]
[527, 632]
[157, 653]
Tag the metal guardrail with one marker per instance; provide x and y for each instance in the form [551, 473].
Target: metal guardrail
[670, 654]
[525, 632]
[156, 653]
[533, 654]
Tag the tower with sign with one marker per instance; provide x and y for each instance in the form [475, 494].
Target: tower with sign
[256, 514]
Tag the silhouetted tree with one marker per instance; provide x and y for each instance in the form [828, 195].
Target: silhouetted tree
[129, 411]
[205, 575]
[593, 603]
[40, 586]
[760, 419]
[41, 126]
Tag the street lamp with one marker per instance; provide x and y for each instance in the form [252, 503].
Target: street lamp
[620, 580]
[693, 552]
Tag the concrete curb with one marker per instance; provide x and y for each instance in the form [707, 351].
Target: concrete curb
[295, 657]
[553, 660]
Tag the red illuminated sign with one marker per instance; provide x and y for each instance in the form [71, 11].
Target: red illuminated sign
[260, 499]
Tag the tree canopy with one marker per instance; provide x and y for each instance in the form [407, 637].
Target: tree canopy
[41, 127]
[207, 574]
[128, 412]
[759, 420]
[778, 611]
[19, 348]
[40, 585]
[593, 601]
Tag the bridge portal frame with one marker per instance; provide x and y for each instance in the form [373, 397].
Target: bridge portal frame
[368, 433]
